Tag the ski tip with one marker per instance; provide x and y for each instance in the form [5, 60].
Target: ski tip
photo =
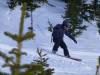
[77, 59]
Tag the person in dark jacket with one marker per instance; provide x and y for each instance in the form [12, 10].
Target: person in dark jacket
[58, 33]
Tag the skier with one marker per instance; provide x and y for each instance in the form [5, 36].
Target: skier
[58, 33]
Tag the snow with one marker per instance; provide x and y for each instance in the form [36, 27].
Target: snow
[87, 48]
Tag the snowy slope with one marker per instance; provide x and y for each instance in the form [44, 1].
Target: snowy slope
[62, 65]
[87, 48]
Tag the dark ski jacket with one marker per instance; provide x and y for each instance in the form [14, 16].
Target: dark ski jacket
[58, 33]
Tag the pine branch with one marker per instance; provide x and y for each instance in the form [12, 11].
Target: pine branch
[15, 51]
[6, 58]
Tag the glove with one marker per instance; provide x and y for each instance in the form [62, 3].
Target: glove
[75, 41]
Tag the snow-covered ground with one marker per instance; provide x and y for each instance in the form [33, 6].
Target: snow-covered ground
[87, 48]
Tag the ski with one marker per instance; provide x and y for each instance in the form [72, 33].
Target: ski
[73, 58]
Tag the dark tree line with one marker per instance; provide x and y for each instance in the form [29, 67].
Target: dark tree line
[79, 10]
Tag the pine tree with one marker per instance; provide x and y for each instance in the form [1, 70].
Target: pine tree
[74, 17]
[14, 62]
[82, 12]
[97, 14]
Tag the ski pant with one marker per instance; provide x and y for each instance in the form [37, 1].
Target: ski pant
[60, 43]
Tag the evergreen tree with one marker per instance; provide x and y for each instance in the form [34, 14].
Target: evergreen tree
[14, 62]
[97, 14]
[74, 17]
[82, 12]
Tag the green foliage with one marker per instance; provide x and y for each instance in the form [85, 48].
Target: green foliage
[31, 69]
[13, 60]
[38, 66]
[5, 57]
[13, 3]
[2, 73]
[97, 14]
[75, 17]
[78, 30]
[27, 36]
[82, 11]
[43, 61]
[31, 4]
[13, 36]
